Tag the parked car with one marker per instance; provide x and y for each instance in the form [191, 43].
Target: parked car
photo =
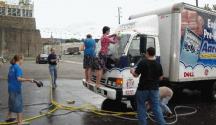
[42, 59]
[3, 60]
[73, 51]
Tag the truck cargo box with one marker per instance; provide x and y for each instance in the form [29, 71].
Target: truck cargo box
[187, 36]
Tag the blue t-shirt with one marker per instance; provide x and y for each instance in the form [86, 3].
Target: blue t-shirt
[90, 45]
[13, 84]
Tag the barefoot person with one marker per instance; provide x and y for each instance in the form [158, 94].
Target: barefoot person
[165, 96]
[89, 55]
[103, 53]
[52, 59]
[15, 79]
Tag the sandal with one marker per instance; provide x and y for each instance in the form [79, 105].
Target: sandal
[10, 120]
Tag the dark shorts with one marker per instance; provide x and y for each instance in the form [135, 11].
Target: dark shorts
[88, 62]
[15, 102]
[100, 62]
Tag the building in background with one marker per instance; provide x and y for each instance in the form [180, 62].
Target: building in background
[60, 45]
[18, 32]
[23, 9]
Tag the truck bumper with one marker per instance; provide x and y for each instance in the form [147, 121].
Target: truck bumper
[104, 91]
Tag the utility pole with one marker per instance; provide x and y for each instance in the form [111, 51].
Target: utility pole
[197, 3]
[2, 42]
[119, 15]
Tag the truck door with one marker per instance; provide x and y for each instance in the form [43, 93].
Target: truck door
[138, 47]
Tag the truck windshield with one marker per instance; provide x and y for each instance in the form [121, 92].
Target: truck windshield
[116, 50]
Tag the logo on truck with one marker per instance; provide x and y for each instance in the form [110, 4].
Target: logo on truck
[198, 44]
[188, 74]
[130, 83]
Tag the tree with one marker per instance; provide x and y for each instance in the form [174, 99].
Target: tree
[72, 40]
[206, 7]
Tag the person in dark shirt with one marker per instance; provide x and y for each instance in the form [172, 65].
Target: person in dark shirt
[52, 59]
[148, 88]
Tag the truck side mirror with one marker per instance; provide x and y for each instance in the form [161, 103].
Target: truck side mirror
[143, 42]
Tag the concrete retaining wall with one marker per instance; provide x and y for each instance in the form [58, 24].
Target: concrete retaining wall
[19, 35]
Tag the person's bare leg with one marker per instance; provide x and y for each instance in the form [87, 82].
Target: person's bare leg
[89, 72]
[9, 115]
[99, 76]
[19, 118]
[86, 74]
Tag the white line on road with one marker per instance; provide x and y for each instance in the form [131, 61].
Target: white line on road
[72, 62]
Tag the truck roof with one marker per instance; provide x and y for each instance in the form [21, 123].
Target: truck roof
[174, 8]
[147, 25]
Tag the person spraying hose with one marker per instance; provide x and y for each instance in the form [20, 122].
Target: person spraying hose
[15, 80]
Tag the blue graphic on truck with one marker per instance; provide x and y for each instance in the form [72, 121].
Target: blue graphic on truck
[198, 41]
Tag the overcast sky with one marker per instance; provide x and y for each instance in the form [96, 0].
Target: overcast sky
[75, 18]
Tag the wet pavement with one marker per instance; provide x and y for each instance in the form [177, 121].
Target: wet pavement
[70, 88]
[73, 90]
[67, 90]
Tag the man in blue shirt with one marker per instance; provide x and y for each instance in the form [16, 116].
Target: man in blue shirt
[89, 55]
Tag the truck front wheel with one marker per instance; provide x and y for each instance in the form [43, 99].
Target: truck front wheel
[133, 103]
[113, 105]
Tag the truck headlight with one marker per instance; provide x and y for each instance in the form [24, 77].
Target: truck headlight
[119, 81]
[115, 82]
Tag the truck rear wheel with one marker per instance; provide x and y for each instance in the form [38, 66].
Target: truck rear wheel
[113, 105]
[209, 91]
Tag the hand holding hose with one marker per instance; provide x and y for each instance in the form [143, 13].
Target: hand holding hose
[38, 83]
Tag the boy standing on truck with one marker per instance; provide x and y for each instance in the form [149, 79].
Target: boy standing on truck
[103, 53]
[89, 55]
[148, 88]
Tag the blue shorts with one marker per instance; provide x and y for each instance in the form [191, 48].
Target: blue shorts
[15, 102]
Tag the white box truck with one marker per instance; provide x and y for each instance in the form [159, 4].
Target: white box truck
[185, 40]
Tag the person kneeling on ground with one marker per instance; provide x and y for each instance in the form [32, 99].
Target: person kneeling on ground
[89, 55]
[165, 96]
[15, 79]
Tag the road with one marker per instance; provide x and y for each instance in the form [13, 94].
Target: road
[70, 88]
